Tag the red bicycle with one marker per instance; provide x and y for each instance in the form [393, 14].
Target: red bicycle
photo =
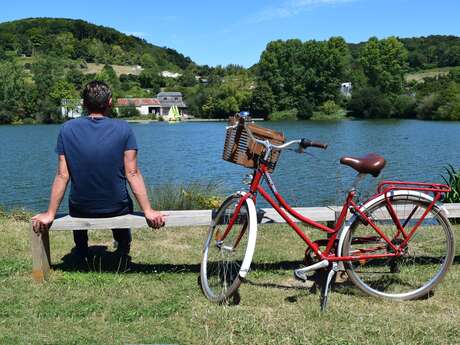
[398, 244]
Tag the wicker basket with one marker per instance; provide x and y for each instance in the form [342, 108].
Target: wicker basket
[240, 149]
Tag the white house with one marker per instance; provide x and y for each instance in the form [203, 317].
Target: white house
[169, 74]
[346, 88]
[145, 106]
[157, 106]
[71, 108]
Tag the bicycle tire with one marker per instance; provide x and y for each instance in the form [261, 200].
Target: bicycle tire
[426, 258]
[221, 264]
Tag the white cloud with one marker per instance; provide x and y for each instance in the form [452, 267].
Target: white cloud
[291, 8]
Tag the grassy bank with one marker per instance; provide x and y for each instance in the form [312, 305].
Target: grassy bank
[429, 73]
[321, 116]
[159, 301]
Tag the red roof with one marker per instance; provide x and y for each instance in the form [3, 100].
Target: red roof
[137, 102]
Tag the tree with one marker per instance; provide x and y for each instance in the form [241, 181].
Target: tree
[384, 63]
[262, 101]
[38, 39]
[46, 72]
[64, 90]
[187, 79]
[13, 89]
[150, 79]
[108, 75]
[76, 77]
[304, 73]
[64, 44]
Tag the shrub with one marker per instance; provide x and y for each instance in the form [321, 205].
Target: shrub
[6, 119]
[304, 109]
[129, 111]
[290, 114]
[28, 121]
[404, 106]
[330, 108]
[427, 106]
[369, 102]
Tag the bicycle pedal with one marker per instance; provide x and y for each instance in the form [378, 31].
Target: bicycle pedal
[301, 273]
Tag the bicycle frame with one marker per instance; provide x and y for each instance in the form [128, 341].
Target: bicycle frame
[385, 188]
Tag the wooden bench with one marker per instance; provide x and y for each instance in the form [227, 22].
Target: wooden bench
[40, 245]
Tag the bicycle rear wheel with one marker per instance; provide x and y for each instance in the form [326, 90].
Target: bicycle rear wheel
[424, 261]
[223, 257]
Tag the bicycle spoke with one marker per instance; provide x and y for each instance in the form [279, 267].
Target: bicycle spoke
[417, 268]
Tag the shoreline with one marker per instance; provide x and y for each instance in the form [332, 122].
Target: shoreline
[316, 119]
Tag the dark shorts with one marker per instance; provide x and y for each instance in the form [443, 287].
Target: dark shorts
[78, 212]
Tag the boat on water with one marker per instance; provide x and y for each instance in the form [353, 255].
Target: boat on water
[174, 115]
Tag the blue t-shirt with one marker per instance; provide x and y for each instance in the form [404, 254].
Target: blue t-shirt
[94, 151]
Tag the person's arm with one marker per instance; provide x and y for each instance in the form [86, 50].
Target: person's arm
[44, 220]
[154, 218]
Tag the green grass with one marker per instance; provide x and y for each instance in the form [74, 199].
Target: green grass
[428, 73]
[159, 300]
[119, 69]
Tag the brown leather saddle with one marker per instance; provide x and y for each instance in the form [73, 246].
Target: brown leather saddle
[369, 164]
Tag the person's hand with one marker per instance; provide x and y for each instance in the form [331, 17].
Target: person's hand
[42, 221]
[155, 219]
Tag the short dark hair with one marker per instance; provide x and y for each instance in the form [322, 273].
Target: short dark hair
[96, 97]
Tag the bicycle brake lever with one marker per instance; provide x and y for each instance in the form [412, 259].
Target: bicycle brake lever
[311, 154]
[299, 150]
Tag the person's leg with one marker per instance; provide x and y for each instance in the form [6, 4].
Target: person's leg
[123, 238]
[80, 238]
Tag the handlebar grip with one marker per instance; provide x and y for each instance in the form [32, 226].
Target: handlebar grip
[304, 143]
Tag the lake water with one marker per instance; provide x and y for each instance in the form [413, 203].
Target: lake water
[186, 152]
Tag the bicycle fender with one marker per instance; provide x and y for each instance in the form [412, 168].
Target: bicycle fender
[252, 237]
[370, 203]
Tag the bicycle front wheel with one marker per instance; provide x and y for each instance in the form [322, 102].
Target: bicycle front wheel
[226, 246]
[423, 262]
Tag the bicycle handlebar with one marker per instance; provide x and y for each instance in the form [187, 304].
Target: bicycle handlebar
[304, 143]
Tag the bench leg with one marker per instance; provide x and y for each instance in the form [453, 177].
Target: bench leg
[41, 259]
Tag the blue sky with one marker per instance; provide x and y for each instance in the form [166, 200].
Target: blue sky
[223, 32]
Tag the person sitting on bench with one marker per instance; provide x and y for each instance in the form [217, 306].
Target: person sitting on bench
[98, 154]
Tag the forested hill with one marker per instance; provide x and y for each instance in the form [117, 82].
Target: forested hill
[80, 40]
[426, 52]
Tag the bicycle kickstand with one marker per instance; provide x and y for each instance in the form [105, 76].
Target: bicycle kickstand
[326, 283]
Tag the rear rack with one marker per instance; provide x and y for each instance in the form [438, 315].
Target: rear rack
[436, 188]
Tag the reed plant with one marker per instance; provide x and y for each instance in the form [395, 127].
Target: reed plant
[452, 178]
[192, 196]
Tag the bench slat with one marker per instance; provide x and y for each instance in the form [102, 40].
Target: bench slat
[178, 218]
[202, 218]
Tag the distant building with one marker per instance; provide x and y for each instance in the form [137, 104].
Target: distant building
[346, 88]
[156, 106]
[169, 74]
[145, 106]
[160, 106]
[168, 99]
[71, 108]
